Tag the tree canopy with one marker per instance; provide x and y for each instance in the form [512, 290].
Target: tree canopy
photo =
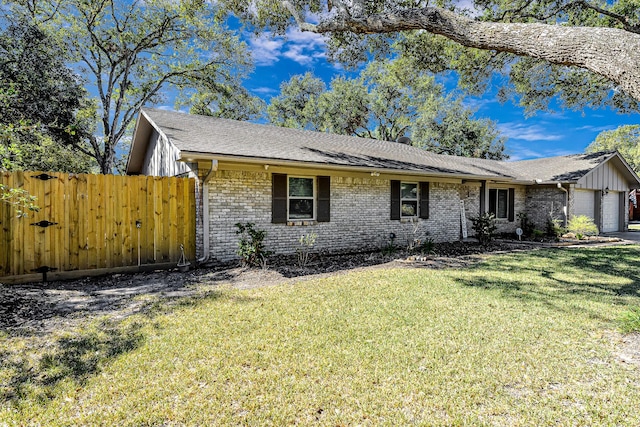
[388, 100]
[131, 52]
[625, 139]
[582, 52]
[40, 104]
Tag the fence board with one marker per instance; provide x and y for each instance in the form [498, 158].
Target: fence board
[96, 216]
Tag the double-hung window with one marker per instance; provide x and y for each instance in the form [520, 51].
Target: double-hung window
[498, 202]
[408, 199]
[501, 203]
[301, 192]
[300, 199]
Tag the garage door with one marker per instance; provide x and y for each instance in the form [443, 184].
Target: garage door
[611, 211]
[584, 203]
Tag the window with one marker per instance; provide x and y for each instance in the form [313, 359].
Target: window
[501, 203]
[301, 192]
[408, 199]
[300, 198]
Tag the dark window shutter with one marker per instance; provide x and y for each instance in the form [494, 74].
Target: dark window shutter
[512, 209]
[395, 199]
[278, 198]
[324, 199]
[424, 200]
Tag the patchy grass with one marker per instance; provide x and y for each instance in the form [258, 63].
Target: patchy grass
[630, 320]
[521, 339]
[634, 227]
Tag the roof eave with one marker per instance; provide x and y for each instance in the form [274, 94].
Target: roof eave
[193, 155]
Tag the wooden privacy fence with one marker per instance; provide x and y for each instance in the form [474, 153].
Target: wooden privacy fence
[96, 222]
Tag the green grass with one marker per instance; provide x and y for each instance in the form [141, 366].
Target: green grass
[634, 227]
[521, 339]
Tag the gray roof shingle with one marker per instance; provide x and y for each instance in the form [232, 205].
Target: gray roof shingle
[194, 135]
[209, 135]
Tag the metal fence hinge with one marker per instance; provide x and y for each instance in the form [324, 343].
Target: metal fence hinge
[44, 223]
[43, 176]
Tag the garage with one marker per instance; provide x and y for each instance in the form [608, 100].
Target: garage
[585, 203]
[611, 212]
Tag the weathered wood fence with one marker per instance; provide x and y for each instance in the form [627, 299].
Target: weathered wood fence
[95, 222]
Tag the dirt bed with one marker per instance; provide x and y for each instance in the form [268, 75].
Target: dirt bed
[41, 307]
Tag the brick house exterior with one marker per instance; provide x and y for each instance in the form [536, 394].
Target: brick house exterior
[355, 193]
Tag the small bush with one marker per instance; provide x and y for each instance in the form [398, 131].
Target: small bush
[389, 247]
[484, 227]
[582, 225]
[630, 321]
[251, 245]
[553, 228]
[527, 226]
[538, 234]
[303, 251]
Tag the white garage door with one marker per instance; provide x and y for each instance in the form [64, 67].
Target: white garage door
[611, 212]
[584, 203]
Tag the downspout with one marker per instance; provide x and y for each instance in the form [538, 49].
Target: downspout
[565, 208]
[205, 213]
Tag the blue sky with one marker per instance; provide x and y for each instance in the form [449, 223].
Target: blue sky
[542, 135]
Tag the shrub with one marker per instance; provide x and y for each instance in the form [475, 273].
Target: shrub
[389, 246]
[484, 227]
[527, 226]
[630, 321]
[553, 228]
[251, 245]
[582, 225]
[306, 243]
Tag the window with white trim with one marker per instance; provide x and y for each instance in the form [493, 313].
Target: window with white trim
[408, 199]
[499, 202]
[301, 192]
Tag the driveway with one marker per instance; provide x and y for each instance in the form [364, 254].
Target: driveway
[631, 236]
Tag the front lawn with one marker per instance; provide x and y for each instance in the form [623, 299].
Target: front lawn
[527, 338]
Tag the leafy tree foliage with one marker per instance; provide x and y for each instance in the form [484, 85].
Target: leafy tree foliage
[386, 101]
[625, 139]
[40, 104]
[131, 52]
[584, 52]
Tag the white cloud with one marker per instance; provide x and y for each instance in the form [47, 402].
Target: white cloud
[302, 47]
[264, 90]
[597, 129]
[265, 49]
[524, 152]
[520, 131]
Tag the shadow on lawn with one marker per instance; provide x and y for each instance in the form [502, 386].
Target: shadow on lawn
[553, 276]
[75, 357]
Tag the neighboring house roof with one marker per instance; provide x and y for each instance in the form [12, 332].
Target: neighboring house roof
[209, 137]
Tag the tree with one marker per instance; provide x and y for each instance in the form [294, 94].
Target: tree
[625, 139]
[586, 51]
[40, 103]
[388, 100]
[296, 106]
[132, 51]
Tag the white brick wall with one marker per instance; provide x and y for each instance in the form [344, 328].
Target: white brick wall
[360, 211]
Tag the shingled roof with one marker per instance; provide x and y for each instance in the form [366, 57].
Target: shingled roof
[201, 136]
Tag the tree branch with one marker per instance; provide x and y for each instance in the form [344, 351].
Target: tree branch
[610, 52]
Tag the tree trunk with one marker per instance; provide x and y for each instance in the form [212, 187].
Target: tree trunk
[610, 52]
